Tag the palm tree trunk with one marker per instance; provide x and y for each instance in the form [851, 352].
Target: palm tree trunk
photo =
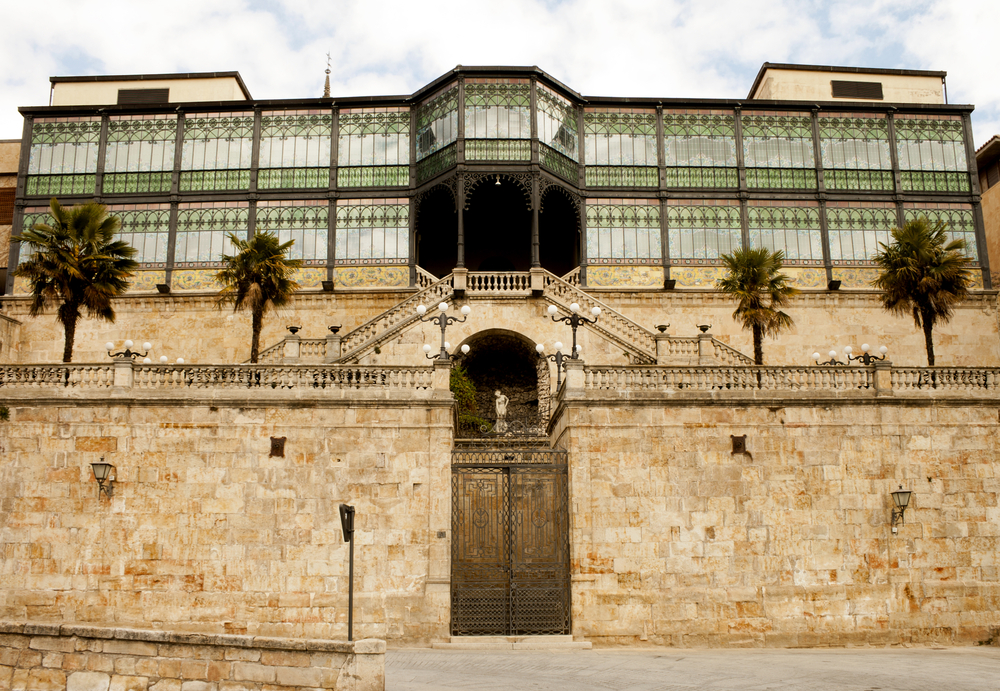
[928, 325]
[758, 344]
[256, 321]
[69, 316]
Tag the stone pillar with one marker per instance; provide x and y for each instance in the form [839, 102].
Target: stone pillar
[883, 378]
[536, 276]
[123, 374]
[442, 379]
[662, 348]
[575, 382]
[459, 280]
[706, 353]
[332, 348]
[290, 354]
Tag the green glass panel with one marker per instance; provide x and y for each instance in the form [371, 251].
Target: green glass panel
[197, 180]
[623, 232]
[858, 179]
[129, 183]
[306, 226]
[558, 164]
[622, 176]
[856, 234]
[497, 150]
[702, 177]
[437, 123]
[374, 176]
[781, 178]
[437, 163]
[795, 230]
[557, 123]
[292, 178]
[933, 181]
[702, 231]
[961, 225]
[54, 185]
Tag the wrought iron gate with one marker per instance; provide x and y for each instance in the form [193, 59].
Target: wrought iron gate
[510, 542]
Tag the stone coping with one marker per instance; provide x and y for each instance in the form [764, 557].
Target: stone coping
[365, 646]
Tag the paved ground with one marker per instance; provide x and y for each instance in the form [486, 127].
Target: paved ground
[894, 669]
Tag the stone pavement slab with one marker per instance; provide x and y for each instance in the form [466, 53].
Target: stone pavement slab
[671, 669]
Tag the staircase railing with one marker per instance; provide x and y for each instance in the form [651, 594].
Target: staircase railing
[387, 324]
[505, 282]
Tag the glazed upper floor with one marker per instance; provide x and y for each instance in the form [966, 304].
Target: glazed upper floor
[504, 118]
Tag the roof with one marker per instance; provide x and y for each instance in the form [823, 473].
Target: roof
[154, 77]
[988, 152]
[836, 68]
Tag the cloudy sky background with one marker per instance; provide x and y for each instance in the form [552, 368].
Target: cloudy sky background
[664, 48]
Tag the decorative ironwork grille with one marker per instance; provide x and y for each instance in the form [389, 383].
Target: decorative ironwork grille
[139, 157]
[932, 154]
[437, 123]
[624, 231]
[960, 220]
[778, 151]
[557, 124]
[147, 228]
[700, 149]
[790, 227]
[855, 230]
[217, 151]
[510, 543]
[295, 149]
[203, 231]
[703, 230]
[304, 222]
[855, 152]
[498, 109]
[374, 147]
[33, 215]
[373, 233]
[63, 156]
[437, 163]
[620, 147]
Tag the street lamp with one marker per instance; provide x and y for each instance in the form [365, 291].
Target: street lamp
[443, 320]
[866, 357]
[901, 499]
[574, 320]
[832, 361]
[556, 357]
[128, 352]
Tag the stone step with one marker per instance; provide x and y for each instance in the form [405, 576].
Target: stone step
[512, 643]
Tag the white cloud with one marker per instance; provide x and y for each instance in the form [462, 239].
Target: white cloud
[667, 48]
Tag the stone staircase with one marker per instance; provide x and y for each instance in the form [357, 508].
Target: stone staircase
[641, 345]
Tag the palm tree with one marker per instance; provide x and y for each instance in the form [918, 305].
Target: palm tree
[923, 273]
[76, 261]
[257, 278]
[755, 281]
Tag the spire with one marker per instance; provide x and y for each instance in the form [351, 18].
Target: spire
[326, 86]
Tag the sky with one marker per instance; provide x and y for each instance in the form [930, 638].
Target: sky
[661, 48]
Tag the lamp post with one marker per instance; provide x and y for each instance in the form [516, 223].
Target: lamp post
[866, 357]
[832, 361]
[574, 320]
[347, 526]
[451, 356]
[128, 352]
[556, 357]
[444, 321]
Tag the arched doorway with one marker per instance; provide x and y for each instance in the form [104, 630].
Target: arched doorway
[506, 362]
[497, 227]
[558, 232]
[437, 232]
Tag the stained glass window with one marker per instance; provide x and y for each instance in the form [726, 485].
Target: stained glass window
[373, 231]
[620, 147]
[32, 215]
[703, 229]
[558, 133]
[63, 156]
[778, 150]
[792, 227]
[624, 231]
[374, 147]
[203, 229]
[856, 229]
[140, 153]
[497, 120]
[959, 217]
[147, 228]
[217, 151]
[305, 222]
[855, 151]
[931, 152]
[700, 148]
[294, 149]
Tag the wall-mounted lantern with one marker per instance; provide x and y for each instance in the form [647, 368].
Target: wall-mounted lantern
[901, 499]
[104, 473]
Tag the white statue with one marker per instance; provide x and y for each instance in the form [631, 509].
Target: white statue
[501, 404]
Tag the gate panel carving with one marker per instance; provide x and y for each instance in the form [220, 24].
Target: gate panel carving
[510, 543]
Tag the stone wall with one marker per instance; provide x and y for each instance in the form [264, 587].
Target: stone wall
[10, 338]
[50, 657]
[676, 540]
[208, 531]
[192, 327]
